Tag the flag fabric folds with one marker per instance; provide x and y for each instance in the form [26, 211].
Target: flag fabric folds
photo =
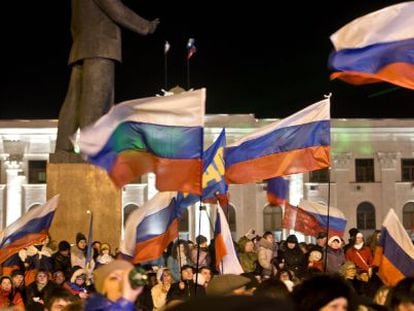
[377, 47]
[226, 256]
[336, 220]
[150, 229]
[300, 220]
[163, 135]
[31, 228]
[394, 254]
[191, 48]
[277, 190]
[214, 184]
[297, 144]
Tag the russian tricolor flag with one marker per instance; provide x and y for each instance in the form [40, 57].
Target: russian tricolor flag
[163, 135]
[31, 228]
[394, 254]
[377, 47]
[297, 144]
[277, 190]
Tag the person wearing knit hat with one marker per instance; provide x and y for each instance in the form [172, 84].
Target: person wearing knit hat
[113, 289]
[78, 253]
[323, 292]
[227, 284]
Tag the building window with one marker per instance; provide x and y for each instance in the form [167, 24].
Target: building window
[183, 222]
[128, 209]
[231, 218]
[366, 216]
[364, 170]
[272, 219]
[37, 172]
[319, 176]
[407, 169]
[408, 216]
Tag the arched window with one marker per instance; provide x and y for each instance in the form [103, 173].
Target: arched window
[408, 216]
[272, 219]
[231, 218]
[366, 216]
[128, 209]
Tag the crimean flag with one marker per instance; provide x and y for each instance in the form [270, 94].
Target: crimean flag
[297, 144]
[299, 220]
[226, 256]
[191, 48]
[32, 228]
[277, 190]
[394, 254]
[377, 47]
[162, 134]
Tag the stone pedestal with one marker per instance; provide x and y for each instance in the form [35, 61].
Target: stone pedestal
[84, 187]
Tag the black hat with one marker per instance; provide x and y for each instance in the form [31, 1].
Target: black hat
[321, 235]
[80, 237]
[201, 239]
[292, 239]
[353, 232]
[64, 245]
[17, 272]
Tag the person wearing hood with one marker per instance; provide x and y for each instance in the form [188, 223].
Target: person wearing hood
[360, 254]
[247, 255]
[265, 254]
[335, 255]
[78, 253]
[292, 257]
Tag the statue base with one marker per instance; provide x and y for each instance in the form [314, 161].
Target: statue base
[84, 187]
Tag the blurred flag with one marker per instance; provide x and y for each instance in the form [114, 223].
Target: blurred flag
[32, 228]
[377, 47]
[149, 229]
[191, 48]
[277, 190]
[226, 257]
[394, 254]
[214, 185]
[337, 220]
[299, 220]
[166, 47]
[297, 144]
[163, 135]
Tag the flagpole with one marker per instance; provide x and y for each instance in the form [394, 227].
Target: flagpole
[166, 48]
[188, 73]
[89, 248]
[202, 207]
[327, 222]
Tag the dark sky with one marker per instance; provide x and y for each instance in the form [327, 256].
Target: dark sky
[257, 57]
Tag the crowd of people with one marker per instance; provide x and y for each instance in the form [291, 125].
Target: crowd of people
[278, 275]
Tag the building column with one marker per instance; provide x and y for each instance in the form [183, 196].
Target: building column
[14, 182]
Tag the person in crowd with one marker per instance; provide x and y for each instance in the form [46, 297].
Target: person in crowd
[402, 295]
[17, 277]
[78, 252]
[349, 272]
[273, 288]
[265, 254]
[335, 255]
[286, 276]
[360, 254]
[381, 295]
[227, 285]
[207, 275]
[315, 259]
[321, 241]
[186, 288]
[59, 300]
[58, 277]
[372, 241]
[324, 292]
[9, 297]
[105, 255]
[61, 259]
[180, 256]
[36, 257]
[113, 288]
[77, 283]
[247, 254]
[351, 240]
[144, 302]
[201, 252]
[39, 292]
[292, 257]
[159, 292]
[96, 247]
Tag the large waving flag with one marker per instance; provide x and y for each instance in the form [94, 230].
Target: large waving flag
[377, 47]
[394, 254]
[336, 220]
[31, 228]
[150, 229]
[277, 190]
[226, 256]
[163, 135]
[297, 144]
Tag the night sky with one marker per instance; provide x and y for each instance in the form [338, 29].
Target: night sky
[253, 57]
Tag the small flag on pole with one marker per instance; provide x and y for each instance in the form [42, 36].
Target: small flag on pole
[191, 48]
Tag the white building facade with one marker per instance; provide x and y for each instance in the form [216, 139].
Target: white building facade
[372, 170]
